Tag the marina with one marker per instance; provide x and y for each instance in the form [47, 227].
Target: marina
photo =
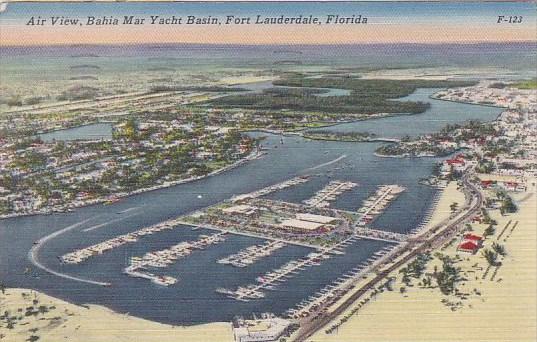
[271, 279]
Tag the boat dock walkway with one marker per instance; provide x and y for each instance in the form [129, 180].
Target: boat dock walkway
[329, 193]
[380, 235]
[271, 188]
[250, 255]
[165, 257]
[376, 203]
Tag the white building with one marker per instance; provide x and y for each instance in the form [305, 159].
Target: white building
[261, 330]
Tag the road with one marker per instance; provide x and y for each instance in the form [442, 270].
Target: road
[434, 238]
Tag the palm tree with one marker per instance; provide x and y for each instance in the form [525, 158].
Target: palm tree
[489, 231]
[500, 249]
[490, 256]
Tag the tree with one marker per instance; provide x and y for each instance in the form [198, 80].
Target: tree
[500, 249]
[508, 206]
[489, 231]
[448, 277]
[491, 257]
[42, 309]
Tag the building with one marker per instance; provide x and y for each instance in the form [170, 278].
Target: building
[261, 330]
[242, 209]
[468, 246]
[316, 218]
[470, 243]
[300, 225]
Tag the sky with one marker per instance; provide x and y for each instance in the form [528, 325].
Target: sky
[388, 22]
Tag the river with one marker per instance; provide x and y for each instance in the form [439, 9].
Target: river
[193, 299]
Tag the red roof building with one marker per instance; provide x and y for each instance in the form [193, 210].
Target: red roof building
[455, 162]
[486, 183]
[473, 237]
[468, 246]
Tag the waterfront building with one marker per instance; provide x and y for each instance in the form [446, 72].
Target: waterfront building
[261, 330]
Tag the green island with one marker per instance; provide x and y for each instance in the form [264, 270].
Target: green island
[366, 96]
[339, 136]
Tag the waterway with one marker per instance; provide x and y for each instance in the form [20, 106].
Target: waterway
[95, 131]
[193, 299]
[435, 118]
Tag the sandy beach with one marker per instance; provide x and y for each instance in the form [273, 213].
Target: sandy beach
[498, 305]
[63, 321]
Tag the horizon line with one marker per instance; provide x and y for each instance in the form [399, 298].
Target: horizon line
[480, 42]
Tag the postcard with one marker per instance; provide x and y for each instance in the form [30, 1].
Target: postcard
[268, 171]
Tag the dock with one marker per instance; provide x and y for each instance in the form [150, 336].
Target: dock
[377, 203]
[80, 255]
[329, 193]
[250, 255]
[380, 235]
[272, 188]
[165, 257]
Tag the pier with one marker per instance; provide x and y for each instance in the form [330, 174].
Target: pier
[375, 204]
[272, 188]
[250, 255]
[329, 193]
[83, 254]
[271, 279]
[380, 235]
[165, 257]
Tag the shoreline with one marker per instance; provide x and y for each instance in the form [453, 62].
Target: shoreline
[469, 103]
[47, 211]
[95, 323]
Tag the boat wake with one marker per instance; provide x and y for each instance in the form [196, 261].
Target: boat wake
[343, 156]
[34, 252]
[129, 209]
[97, 226]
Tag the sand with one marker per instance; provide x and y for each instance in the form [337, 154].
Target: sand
[69, 322]
[451, 194]
[504, 310]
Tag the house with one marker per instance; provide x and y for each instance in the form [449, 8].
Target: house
[470, 243]
[468, 246]
[472, 237]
